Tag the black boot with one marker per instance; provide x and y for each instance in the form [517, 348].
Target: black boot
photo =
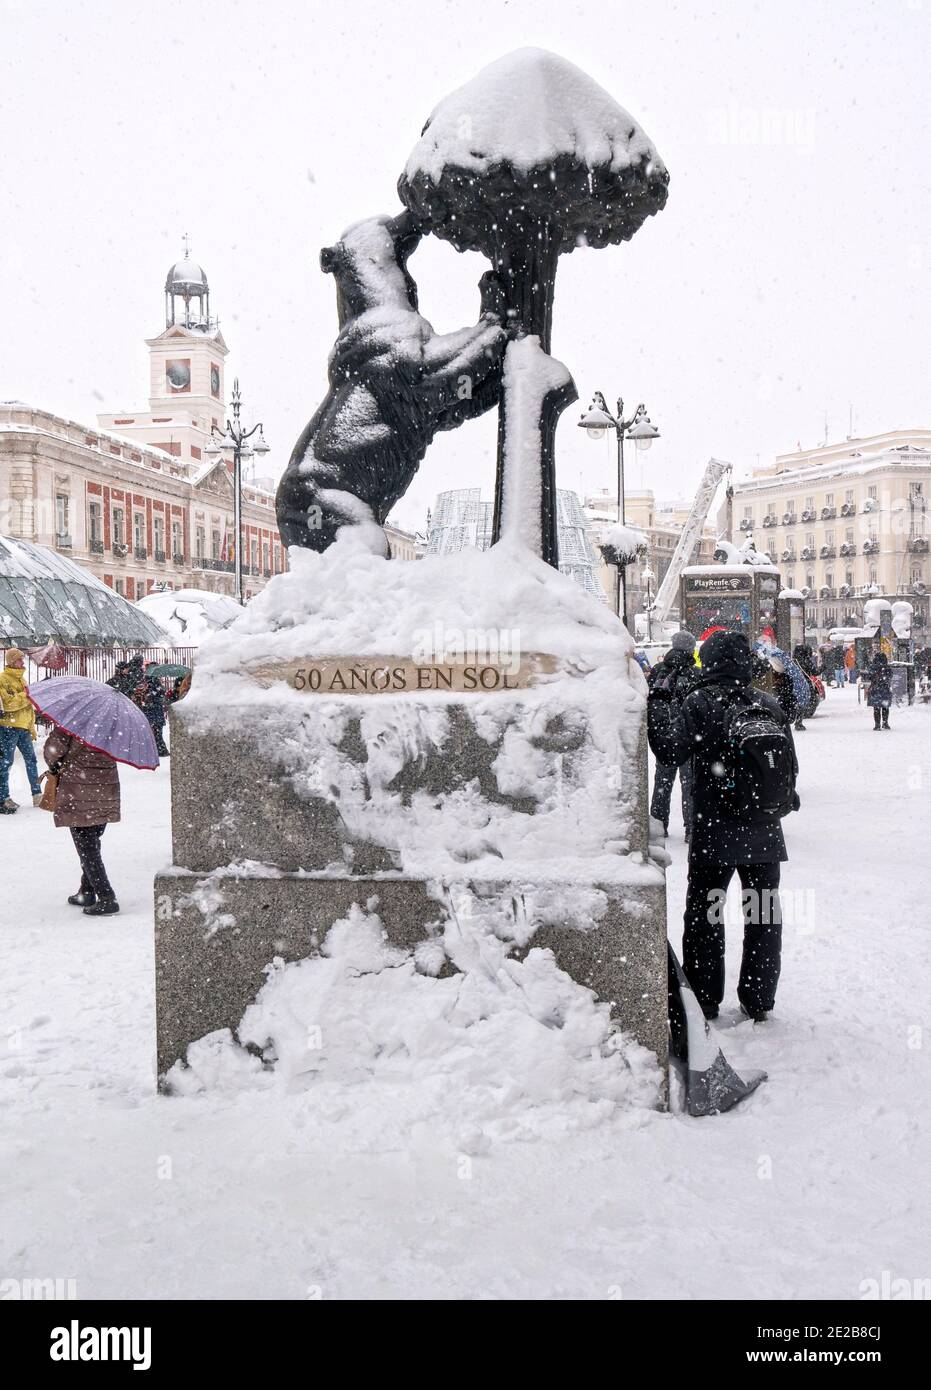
[83, 898]
[106, 907]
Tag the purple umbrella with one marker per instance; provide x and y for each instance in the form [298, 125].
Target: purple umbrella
[98, 716]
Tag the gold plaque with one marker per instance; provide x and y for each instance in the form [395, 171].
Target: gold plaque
[391, 675]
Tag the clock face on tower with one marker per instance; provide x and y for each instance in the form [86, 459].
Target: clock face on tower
[178, 374]
[215, 380]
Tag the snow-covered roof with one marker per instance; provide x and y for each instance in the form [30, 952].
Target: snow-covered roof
[909, 458]
[45, 597]
[189, 616]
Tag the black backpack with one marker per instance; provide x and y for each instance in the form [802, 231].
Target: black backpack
[759, 765]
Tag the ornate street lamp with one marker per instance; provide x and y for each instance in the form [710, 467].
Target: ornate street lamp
[232, 442]
[596, 421]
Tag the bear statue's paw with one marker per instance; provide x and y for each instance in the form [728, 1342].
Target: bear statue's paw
[358, 527]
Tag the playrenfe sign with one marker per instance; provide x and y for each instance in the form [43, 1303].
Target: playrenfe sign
[377, 675]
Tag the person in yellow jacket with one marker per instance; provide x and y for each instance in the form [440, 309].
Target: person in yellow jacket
[17, 730]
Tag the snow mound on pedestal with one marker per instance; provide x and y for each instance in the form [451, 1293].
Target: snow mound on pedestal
[527, 109]
[507, 1049]
[348, 601]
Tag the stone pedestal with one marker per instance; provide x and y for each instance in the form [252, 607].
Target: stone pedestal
[285, 815]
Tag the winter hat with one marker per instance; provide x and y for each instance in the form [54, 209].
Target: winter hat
[725, 656]
[13, 656]
[683, 641]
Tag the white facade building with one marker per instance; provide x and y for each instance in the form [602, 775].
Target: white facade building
[845, 522]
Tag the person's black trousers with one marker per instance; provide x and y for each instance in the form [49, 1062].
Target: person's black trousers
[880, 711]
[703, 937]
[93, 874]
[664, 777]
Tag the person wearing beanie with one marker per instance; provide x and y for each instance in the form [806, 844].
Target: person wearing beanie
[726, 836]
[17, 730]
[676, 673]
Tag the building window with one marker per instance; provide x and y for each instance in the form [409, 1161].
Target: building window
[215, 544]
[829, 537]
[790, 545]
[809, 581]
[95, 524]
[829, 579]
[809, 504]
[138, 531]
[119, 529]
[915, 489]
[790, 581]
[120, 586]
[810, 540]
[917, 574]
[848, 495]
[872, 492]
[790, 505]
[848, 578]
[158, 532]
[848, 535]
[266, 563]
[61, 515]
[872, 574]
[177, 539]
[200, 542]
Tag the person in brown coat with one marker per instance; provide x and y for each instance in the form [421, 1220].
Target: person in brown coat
[88, 799]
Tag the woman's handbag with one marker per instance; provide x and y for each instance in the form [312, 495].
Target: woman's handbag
[49, 791]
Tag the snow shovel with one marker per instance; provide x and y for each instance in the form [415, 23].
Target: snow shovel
[711, 1083]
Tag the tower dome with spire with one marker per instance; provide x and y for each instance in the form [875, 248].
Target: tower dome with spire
[187, 282]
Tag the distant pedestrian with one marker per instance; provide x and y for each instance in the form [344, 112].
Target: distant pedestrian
[146, 693]
[849, 660]
[86, 802]
[17, 730]
[804, 659]
[150, 697]
[677, 673]
[879, 690]
[838, 667]
[743, 781]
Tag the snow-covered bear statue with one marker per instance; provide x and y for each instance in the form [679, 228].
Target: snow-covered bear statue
[393, 383]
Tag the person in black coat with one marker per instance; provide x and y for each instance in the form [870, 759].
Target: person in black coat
[879, 693]
[677, 674]
[724, 839]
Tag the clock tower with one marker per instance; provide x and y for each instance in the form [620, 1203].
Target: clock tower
[186, 370]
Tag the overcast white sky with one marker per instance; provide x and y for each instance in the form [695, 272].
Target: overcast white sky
[788, 276]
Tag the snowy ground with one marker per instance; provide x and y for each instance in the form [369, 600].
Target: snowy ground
[815, 1185]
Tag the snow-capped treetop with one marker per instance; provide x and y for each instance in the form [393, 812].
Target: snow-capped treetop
[526, 109]
[532, 141]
